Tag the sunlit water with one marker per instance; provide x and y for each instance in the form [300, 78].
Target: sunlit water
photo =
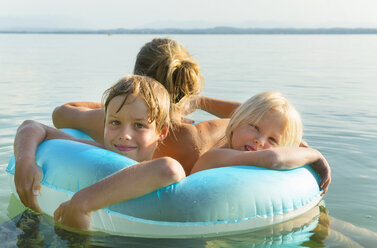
[331, 79]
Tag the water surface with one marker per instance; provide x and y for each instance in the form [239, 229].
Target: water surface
[331, 79]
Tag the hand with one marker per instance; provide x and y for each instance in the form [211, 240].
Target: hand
[304, 144]
[190, 105]
[324, 171]
[71, 215]
[27, 178]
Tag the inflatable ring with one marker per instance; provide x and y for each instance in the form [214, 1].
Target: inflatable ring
[208, 203]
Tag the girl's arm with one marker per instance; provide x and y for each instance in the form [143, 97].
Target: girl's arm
[279, 158]
[28, 175]
[129, 183]
[85, 116]
[217, 107]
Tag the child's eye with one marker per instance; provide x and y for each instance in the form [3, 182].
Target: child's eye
[255, 127]
[273, 140]
[139, 125]
[115, 122]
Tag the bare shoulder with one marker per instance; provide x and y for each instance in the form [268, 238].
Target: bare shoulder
[212, 124]
[211, 133]
[204, 135]
[181, 145]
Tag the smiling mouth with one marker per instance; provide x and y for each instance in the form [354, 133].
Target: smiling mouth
[125, 148]
[249, 148]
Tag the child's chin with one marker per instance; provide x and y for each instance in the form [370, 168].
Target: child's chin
[124, 153]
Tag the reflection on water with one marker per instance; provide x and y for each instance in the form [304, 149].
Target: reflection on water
[313, 229]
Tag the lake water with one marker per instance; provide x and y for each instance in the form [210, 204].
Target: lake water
[331, 79]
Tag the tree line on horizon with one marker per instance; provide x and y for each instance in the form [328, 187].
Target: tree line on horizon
[215, 30]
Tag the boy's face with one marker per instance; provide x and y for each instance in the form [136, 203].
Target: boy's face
[259, 136]
[128, 131]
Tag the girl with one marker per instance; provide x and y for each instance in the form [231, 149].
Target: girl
[265, 131]
[136, 120]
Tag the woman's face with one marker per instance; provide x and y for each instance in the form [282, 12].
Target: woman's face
[128, 132]
[259, 136]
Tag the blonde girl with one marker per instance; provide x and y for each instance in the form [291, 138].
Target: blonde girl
[265, 131]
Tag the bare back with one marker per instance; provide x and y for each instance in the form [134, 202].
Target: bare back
[188, 142]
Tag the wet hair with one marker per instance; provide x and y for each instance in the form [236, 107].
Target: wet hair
[253, 110]
[169, 62]
[152, 92]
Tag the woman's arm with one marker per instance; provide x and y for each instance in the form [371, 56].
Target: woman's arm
[279, 158]
[86, 116]
[217, 107]
[28, 175]
[129, 183]
[88, 105]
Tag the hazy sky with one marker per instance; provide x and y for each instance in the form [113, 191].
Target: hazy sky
[186, 14]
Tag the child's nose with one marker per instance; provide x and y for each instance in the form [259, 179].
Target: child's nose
[258, 142]
[126, 134]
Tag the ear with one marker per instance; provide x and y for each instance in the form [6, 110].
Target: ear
[164, 132]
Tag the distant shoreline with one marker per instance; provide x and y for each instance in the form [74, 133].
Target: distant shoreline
[216, 30]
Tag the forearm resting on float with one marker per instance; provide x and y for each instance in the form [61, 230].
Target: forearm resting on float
[85, 116]
[129, 183]
[217, 107]
[280, 158]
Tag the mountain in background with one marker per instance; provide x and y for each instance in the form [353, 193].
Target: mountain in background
[205, 24]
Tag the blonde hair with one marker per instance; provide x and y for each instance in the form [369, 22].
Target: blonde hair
[152, 92]
[253, 110]
[169, 62]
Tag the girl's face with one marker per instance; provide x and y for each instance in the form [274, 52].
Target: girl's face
[128, 131]
[259, 136]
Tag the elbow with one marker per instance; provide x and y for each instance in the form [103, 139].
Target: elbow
[171, 170]
[27, 124]
[30, 127]
[57, 116]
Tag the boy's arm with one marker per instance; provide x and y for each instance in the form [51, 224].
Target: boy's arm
[85, 116]
[129, 183]
[217, 107]
[279, 158]
[28, 175]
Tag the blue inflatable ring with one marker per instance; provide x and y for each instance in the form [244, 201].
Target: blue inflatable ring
[208, 203]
